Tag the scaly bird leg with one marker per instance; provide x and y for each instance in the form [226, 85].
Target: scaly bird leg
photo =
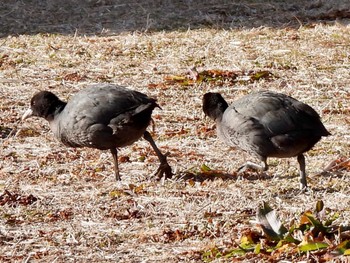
[301, 161]
[164, 168]
[115, 160]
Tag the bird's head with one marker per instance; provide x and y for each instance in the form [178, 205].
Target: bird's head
[43, 104]
[214, 105]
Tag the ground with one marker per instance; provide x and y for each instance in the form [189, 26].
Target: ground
[61, 204]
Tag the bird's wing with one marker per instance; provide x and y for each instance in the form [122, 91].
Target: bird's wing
[96, 112]
[103, 103]
[272, 124]
[279, 113]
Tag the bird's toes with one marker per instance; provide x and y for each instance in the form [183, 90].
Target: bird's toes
[241, 169]
[245, 168]
[164, 170]
[304, 188]
[251, 166]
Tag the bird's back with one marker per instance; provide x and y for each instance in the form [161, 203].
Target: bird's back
[104, 116]
[271, 124]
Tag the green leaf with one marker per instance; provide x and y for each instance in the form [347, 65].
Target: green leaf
[311, 246]
[177, 78]
[211, 254]
[331, 219]
[257, 249]
[290, 239]
[344, 246]
[235, 252]
[246, 243]
[319, 206]
[315, 222]
[260, 74]
[117, 193]
[205, 168]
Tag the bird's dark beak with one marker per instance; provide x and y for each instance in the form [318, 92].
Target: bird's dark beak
[27, 114]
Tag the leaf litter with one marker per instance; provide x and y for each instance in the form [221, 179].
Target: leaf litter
[313, 233]
[15, 199]
[213, 77]
[208, 215]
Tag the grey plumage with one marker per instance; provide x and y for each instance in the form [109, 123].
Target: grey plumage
[102, 116]
[267, 124]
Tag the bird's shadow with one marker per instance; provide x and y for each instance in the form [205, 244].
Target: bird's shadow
[217, 174]
[250, 175]
[333, 174]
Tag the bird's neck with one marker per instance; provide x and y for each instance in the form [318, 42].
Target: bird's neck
[55, 112]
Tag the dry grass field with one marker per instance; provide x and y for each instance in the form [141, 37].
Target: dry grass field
[59, 204]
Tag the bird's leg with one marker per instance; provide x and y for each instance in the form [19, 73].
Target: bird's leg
[114, 152]
[301, 161]
[164, 168]
[254, 166]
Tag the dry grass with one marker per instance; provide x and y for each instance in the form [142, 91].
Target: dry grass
[81, 214]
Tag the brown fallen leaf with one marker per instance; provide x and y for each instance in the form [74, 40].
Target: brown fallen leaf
[74, 77]
[342, 163]
[15, 199]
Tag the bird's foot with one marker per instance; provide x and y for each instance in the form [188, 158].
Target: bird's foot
[241, 169]
[121, 185]
[164, 169]
[250, 165]
[304, 188]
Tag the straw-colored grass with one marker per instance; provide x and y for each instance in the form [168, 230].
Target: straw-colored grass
[81, 214]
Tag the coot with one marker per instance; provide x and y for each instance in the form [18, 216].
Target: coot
[102, 116]
[266, 124]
